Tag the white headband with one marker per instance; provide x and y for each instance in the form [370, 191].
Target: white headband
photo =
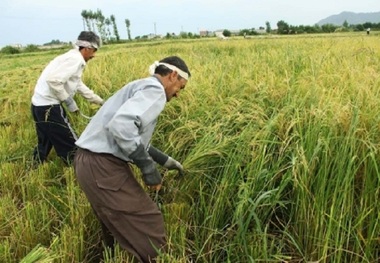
[84, 43]
[180, 72]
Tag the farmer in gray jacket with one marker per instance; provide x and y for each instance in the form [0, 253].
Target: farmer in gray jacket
[119, 134]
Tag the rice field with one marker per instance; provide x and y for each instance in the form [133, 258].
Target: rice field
[279, 137]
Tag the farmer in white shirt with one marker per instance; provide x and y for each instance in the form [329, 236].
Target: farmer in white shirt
[119, 134]
[58, 83]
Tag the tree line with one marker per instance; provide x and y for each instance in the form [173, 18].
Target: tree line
[105, 27]
[285, 28]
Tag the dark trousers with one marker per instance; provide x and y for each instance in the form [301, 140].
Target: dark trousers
[53, 130]
[124, 209]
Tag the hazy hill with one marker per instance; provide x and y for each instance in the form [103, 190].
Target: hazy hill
[351, 18]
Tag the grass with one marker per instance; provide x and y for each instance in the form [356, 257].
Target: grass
[278, 136]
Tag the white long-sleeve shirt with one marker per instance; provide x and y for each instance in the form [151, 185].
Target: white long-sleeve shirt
[61, 79]
[126, 120]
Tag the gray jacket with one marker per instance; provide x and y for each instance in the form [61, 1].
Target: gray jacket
[126, 120]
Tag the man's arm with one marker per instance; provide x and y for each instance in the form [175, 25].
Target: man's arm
[89, 94]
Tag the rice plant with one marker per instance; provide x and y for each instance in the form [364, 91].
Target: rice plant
[279, 138]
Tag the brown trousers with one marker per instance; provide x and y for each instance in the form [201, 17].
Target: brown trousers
[121, 204]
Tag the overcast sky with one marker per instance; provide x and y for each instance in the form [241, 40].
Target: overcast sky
[40, 21]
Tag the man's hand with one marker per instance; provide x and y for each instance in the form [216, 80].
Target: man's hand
[165, 160]
[151, 176]
[172, 164]
[71, 105]
[155, 187]
[142, 159]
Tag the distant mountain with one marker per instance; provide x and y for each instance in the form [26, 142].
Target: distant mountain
[351, 18]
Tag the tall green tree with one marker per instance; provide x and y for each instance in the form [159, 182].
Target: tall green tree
[92, 18]
[282, 27]
[86, 20]
[268, 27]
[115, 31]
[108, 24]
[100, 24]
[128, 24]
